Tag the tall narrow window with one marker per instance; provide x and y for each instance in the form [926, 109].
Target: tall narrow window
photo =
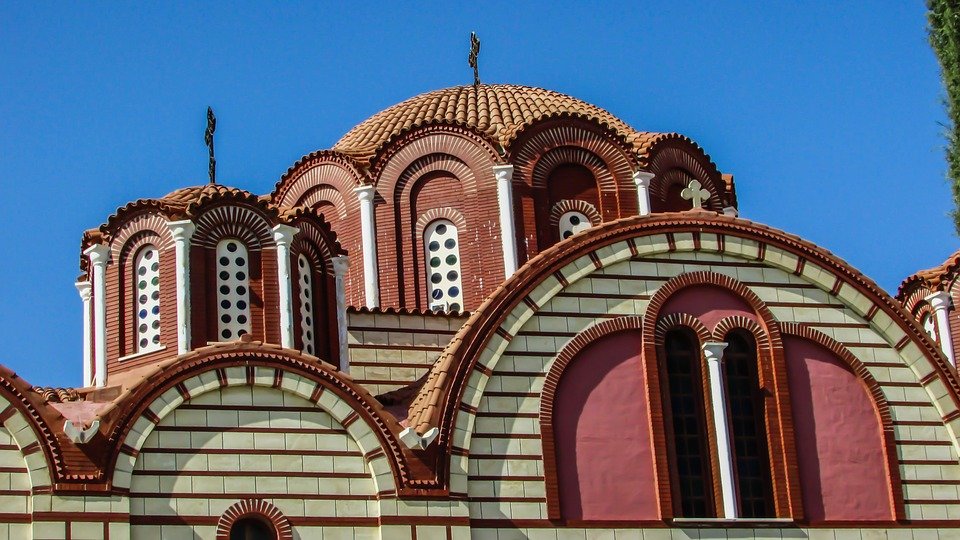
[306, 305]
[688, 423]
[233, 294]
[572, 222]
[147, 293]
[747, 427]
[442, 248]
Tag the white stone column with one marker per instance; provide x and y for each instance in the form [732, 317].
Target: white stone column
[642, 180]
[99, 255]
[182, 231]
[283, 236]
[83, 287]
[940, 302]
[340, 265]
[368, 235]
[713, 354]
[508, 226]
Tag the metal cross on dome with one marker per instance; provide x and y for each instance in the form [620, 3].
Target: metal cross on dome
[696, 193]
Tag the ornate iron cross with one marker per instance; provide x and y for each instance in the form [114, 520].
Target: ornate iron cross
[474, 53]
[208, 138]
[696, 193]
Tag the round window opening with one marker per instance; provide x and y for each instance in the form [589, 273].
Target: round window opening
[252, 528]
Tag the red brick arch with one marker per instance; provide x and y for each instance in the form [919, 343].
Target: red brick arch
[674, 320]
[548, 398]
[773, 375]
[417, 174]
[254, 508]
[547, 144]
[567, 205]
[675, 160]
[739, 322]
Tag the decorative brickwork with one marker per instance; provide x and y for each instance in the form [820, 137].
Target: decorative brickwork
[257, 508]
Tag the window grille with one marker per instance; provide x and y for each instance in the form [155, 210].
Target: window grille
[233, 290]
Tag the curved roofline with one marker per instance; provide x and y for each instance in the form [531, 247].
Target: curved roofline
[932, 278]
[130, 405]
[312, 160]
[436, 404]
[521, 106]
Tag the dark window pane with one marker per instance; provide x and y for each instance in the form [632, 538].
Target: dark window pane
[747, 427]
[251, 529]
[688, 421]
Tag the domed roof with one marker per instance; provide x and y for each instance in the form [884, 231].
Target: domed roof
[498, 110]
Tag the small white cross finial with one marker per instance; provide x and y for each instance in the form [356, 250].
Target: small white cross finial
[696, 193]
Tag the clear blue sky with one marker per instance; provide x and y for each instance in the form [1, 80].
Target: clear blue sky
[828, 115]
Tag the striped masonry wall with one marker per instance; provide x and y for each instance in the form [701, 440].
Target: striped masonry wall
[501, 465]
[390, 350]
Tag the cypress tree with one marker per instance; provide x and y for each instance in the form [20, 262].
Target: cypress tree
[944, 19]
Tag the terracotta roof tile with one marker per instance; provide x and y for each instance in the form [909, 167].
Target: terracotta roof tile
[935, 279]
[500, 111]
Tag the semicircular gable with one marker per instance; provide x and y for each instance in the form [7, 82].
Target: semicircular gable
[414, 174]
[322, 195]
[547, 144]
[455, 384]
[324, 167]
[146, 222]
[672, 158]
[551, 132]
[475, 152]
[242, 222]
[373, 430]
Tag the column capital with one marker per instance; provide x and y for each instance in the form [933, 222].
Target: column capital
[642, 178]
[939, 300]
[340, 264]
[85, 290]
[503, 173]
[98, 254]
[283, 234]
[365, 193]
[713, 350]
[182, 231]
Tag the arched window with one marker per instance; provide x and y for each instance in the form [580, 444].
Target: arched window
[147, 292]
[572, 222]
[747, 426]
[442, 247]
[684, 402]
[252, 528]
[307, 299]
[929, 326]
[233, 290]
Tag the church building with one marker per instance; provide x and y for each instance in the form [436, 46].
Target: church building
[493, 312]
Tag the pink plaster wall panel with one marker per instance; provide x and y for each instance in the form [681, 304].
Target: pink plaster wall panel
[843, 473]
[602, 432]
[708, 303]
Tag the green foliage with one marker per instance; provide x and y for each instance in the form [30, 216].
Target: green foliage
[944, 19]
